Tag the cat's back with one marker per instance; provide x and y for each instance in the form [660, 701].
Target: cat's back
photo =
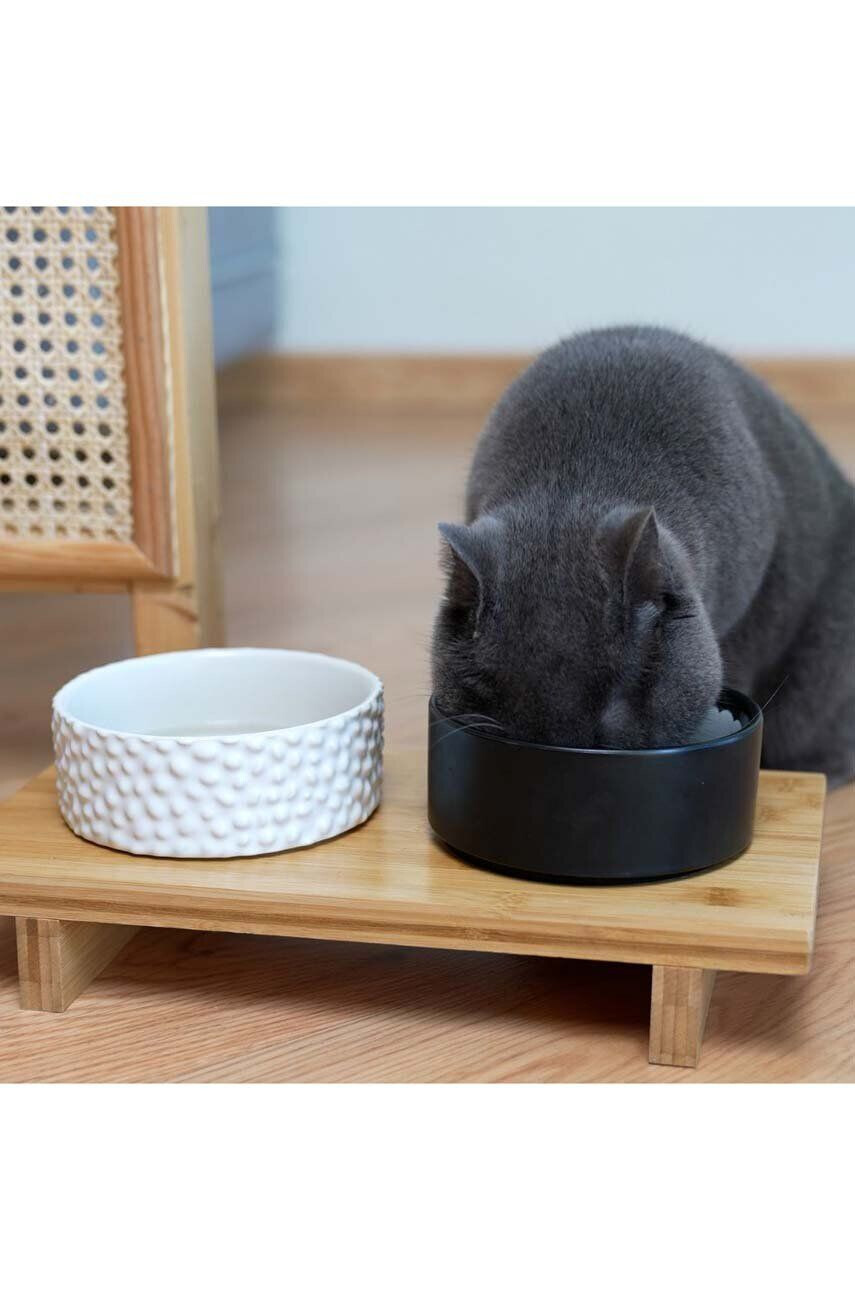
[616, 411]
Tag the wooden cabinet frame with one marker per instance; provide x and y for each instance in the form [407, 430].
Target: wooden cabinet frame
[171, 567]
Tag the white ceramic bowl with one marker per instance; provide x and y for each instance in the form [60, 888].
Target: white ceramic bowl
[229, 752]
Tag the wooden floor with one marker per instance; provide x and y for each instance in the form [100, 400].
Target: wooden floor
[330, 545]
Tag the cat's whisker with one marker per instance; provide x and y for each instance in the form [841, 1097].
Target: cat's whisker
[476, 716]
[473, 718]
[467, 716]
[774, 692]
[458, 730]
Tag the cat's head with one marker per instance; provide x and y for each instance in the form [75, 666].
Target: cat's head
[590, 634]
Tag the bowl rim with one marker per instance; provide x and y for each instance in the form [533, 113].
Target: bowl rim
[723, 740]
[60, 698]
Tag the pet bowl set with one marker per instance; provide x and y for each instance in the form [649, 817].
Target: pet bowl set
[238, 752]
[595, 815]
[230, 752]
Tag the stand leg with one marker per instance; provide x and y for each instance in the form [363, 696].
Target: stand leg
[58, 959]
[680, 1000]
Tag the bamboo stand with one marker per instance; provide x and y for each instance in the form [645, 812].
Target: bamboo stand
[77, 905]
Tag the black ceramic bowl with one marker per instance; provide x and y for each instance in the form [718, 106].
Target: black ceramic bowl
[595, 815]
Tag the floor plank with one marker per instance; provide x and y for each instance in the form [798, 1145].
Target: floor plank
[330, 544]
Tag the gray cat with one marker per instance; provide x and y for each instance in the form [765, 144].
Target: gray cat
[646, 520]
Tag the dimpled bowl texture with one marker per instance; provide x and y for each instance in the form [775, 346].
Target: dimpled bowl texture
[218, 753]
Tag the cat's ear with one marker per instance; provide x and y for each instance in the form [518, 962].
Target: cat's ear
[636, 551]
[471, 559]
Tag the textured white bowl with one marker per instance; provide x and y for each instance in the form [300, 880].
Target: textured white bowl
[230, 752]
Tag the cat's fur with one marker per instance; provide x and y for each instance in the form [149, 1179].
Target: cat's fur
[646, 520]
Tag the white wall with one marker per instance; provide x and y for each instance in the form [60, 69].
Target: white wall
[754, 280]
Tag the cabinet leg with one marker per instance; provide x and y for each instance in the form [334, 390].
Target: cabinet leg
[187, 613]
[166, 617]
[57, 959]
[679, 1002]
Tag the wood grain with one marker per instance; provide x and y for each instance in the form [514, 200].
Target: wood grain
[392, 882]
[78, 585]
[57, 960]
[146, 381]
[679, 1002]
[47, 562]
[330, 544]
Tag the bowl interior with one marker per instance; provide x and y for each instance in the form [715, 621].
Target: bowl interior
[216, 692]
[733, 713]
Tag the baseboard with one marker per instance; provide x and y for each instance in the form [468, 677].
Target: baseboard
[428, 382]
[460, 382]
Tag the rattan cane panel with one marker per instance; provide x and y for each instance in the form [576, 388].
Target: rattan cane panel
[64, 456]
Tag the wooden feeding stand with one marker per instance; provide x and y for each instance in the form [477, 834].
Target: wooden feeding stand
[391, 882]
